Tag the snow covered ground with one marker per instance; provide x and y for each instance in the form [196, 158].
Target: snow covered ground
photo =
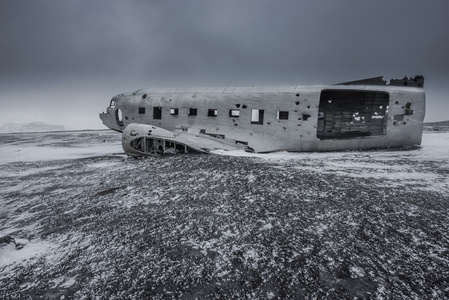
[95, 223]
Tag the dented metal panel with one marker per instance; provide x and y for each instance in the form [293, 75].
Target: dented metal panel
[265, 119]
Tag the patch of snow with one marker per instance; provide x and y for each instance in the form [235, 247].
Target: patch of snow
[9, 255]
[69, 282]
[357, 272]
[266, 226]
[30, 153]
[227, 233]
[104, 165]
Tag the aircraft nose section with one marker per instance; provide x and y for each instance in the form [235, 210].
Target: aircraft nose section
[113, 117]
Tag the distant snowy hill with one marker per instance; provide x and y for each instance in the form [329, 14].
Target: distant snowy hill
[441, 123]
[437, 126]
[29, 127]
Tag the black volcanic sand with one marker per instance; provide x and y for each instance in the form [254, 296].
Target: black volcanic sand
[210, 226]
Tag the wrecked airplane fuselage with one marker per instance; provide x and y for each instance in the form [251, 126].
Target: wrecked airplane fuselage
[350, 116]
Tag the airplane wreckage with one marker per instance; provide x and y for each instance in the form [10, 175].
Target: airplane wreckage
[356, 115]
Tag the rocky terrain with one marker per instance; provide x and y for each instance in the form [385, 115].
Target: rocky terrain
[95, 224]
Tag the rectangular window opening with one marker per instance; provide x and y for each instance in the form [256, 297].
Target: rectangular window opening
[345, 114]
[157, 113]
[282, 115]
[257, 116]
[234, 113]
[174, 111]
[141, 110]
[212, 112]
[193, 111]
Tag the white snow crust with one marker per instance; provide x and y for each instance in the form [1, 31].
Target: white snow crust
[33, 249]
[29, 127]
[42, 148]
[393, 167]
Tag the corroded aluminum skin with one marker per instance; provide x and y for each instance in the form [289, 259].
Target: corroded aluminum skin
[294, 134]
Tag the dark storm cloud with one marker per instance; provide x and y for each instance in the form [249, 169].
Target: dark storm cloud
[59, 37]
[223, 38]
[222, 42]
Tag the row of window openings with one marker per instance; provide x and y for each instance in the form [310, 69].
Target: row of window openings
[256, 114]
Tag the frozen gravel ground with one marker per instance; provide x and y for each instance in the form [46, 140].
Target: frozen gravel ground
[96, 224]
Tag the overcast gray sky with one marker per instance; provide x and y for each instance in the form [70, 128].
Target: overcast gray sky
[62, 61]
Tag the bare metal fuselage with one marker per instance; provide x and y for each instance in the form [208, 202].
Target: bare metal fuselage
[265, 119]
